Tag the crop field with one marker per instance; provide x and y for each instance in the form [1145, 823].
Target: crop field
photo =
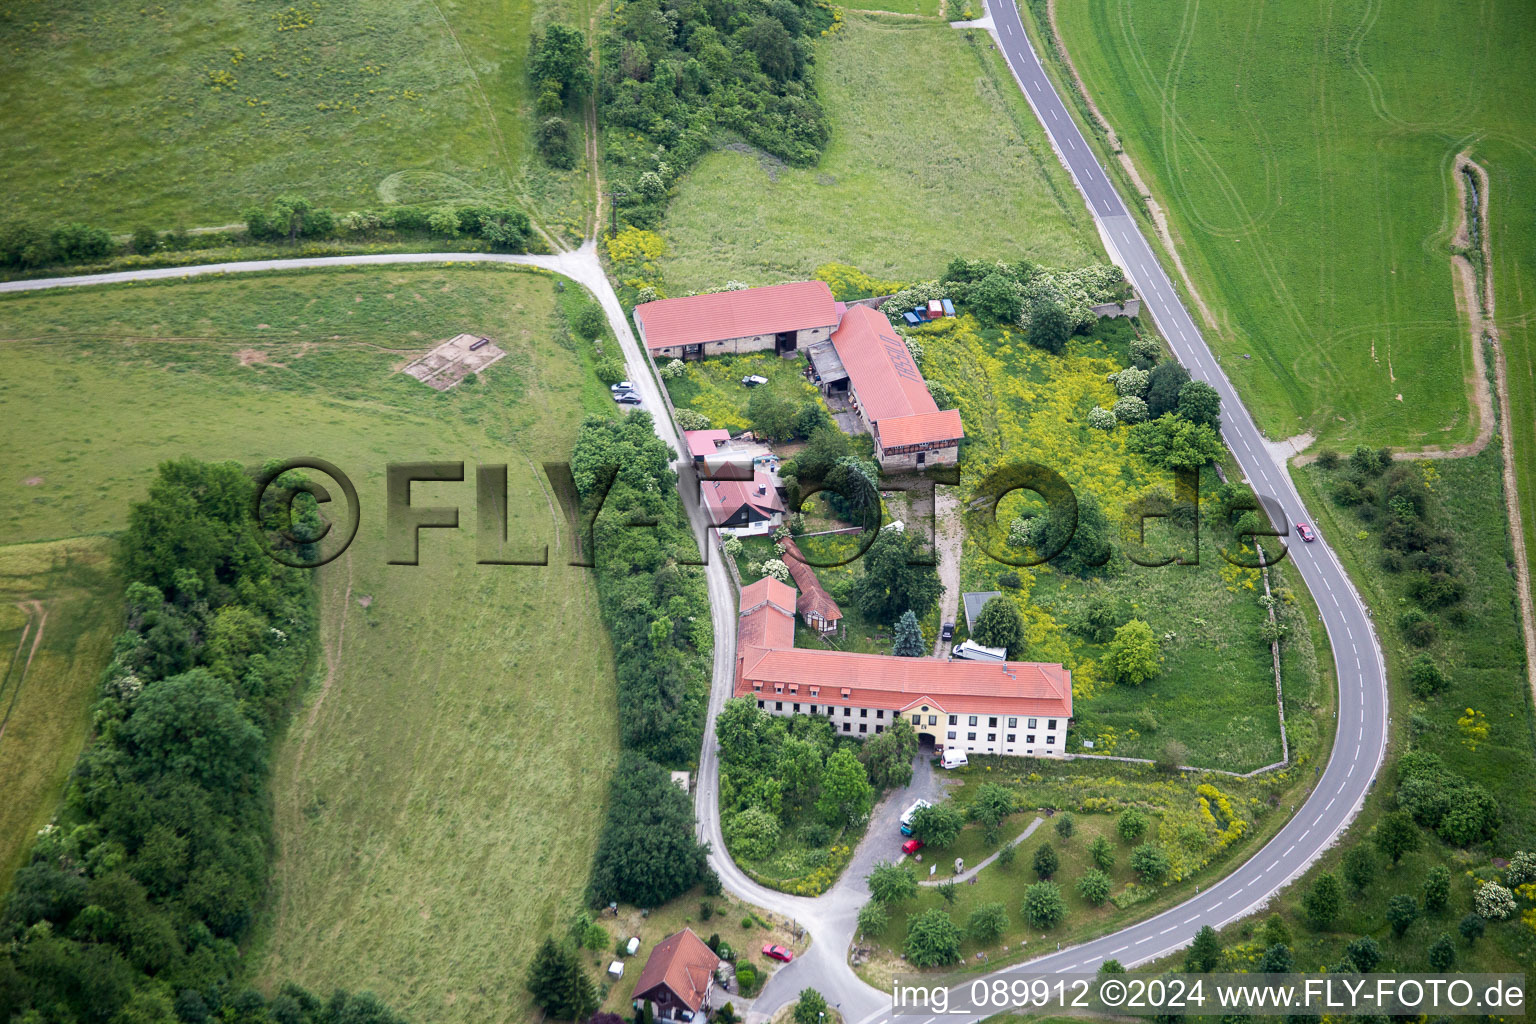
[415, 854]
[1304, 155]
[921, 167]
[206, 108]
[58, 613]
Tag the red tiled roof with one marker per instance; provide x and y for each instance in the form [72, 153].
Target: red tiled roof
[813, 596]
[684, 964]
[880, 368]
[926, 427]
[879, 680]
[718, 316]
[768, 591]
[767, 625]
[722, 498]
[704, 442]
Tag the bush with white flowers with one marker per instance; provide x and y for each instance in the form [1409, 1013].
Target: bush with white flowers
[1130, 409]
[1101, 418]
[674, 369]
[692, 419]
[1130, 381]
[1494, 902]
[776, 568]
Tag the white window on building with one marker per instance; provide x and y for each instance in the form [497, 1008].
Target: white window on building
[971, 737]
[1013, 737]
[951, 734]
[1013, 723]
[933, 719]
[1050, 723]
[1031, 723]
[1031, 738]
[954, 719]
[972, 721]
[991, 737]
[797, 707]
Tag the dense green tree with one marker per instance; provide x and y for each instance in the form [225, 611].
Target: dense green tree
[1049, 326]
[1442, 953]
[933, 940]
[1395, 835]
[996, 298]
[846, 794]
[560, 55]
[992, 804]
[887, 756]
[1321, 902]
[1007, 854]
[1364, 954]
[892, 582]
[1046, 862]
[1133, 655]
[1044, 906]
[811, 1008]
[191, 727]
[938, 824]
[1359, 868]
[1471, 927]
[1065, 824]
[1131, 824]
[1111, 966]
[1200, 403]
[1204, 953]
[1163, 386]
[987, 923]
[1174, 442]
[1276, 960]
[1082, 542]
[1402, 911]
[907, 637]
[891, 883]
[590, 321]
[1150, 862]
[646, 853]
[752, 833]
[949, 891]
[1094, 886]
[1437, 889]
[1001, 625]
[559, 985]
[1102, 853]
[770, 42]
[1274, 931]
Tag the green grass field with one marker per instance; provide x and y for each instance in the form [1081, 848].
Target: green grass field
[182, 114]
[58, 613]
[1310, 187]
[455, 703]
[1304, 155]
[923, 166]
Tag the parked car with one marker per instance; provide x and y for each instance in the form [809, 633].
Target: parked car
[910, 813]
[752, 380]
[948, 633]
[911, 846]
[1307, 533]
[778, 953]
[627, 398]
[954, 757]
[623, 385]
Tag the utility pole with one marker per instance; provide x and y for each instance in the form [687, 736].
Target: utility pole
[613, 208]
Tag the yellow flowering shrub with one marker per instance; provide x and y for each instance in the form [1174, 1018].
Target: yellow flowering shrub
[849, 282]
[636, 253]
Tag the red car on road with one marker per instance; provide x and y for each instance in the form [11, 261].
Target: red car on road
[911, 846]
[1306, 532]
[778, 953]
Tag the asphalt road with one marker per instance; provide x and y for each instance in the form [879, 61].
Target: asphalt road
[1360, 740]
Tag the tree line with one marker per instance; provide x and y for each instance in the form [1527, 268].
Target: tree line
[135, 899]
[25, 245]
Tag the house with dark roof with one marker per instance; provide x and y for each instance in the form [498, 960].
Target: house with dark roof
[743, 508]
[677, 978]
[888, 392]
[782, 318]
[1017, 708]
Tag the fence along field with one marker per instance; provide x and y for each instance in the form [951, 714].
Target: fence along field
[456, 703]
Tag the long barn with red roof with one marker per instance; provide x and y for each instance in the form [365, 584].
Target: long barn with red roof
[1018, 708]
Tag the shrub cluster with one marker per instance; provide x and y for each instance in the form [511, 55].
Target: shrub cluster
[134, 900]
[1460, 811]
[673, 75]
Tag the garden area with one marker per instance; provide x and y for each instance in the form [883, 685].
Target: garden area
[795, 798]
[708, 393]
[1116, 843]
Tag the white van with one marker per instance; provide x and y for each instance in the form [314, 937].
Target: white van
[910, 813]
[954, 757]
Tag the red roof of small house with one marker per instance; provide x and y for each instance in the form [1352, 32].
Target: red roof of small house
[880, 367]
[813, 597]
[922, 429]
[767, 622]
[704, 442]
[723, 498]
[718, 316]
[768, 591]
[683, 964]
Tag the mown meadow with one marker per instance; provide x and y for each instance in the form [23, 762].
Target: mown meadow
[912, 159]
[181, 115]
[453, 702]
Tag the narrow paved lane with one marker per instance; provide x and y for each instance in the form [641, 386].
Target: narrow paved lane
[1360, 740]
